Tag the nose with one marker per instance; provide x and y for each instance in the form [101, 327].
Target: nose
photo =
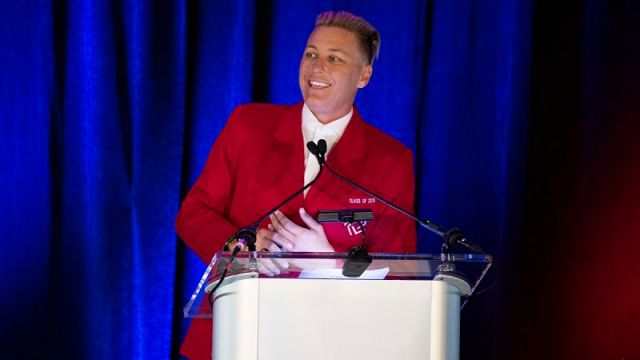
[318, 65]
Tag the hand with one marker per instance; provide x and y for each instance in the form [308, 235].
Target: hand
[265, 242]
[272, 266]
[286, 235]
[269, 240]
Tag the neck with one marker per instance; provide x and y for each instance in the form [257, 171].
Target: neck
[326, 119]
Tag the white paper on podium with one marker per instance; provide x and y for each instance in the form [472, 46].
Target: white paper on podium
[377, 274]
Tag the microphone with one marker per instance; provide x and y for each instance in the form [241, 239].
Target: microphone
[358, 258]
[455, 236]
[245, 236]
[248, 234]
[318, 152]
[450, 237]
[243, 240]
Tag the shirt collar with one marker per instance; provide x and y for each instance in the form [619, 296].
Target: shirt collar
[310, 124]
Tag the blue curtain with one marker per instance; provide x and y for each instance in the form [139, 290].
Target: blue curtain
[108, 110]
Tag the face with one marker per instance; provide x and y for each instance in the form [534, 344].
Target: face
[332, 70]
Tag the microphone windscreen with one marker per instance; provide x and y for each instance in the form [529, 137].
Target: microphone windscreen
[453, 236]
[322, 146]
[248, 235]
[313, 148]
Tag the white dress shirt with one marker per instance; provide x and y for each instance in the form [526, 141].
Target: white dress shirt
[312, 129]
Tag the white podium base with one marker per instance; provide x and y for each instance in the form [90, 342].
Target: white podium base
[278, 319]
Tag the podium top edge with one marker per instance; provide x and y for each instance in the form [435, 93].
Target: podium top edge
[470, 257]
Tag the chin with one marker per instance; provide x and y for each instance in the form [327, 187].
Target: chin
[317, 107]
[313, 103]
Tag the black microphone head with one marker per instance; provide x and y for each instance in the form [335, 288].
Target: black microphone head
[248, 235]
[322, 146]
[453, 237]
[313, 148]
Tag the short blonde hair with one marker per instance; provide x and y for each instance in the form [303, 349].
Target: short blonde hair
[367, 35]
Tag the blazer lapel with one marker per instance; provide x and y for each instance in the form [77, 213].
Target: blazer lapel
[349, 150]
[346, 157]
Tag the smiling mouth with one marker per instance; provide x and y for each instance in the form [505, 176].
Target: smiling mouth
[316, 84]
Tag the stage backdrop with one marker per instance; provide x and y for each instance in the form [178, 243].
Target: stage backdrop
[523, 117]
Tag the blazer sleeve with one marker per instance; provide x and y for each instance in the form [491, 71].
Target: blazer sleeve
[203, 222]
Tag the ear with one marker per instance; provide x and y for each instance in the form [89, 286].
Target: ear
[365, 76]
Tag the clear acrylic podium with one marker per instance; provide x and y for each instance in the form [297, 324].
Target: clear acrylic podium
[299, 306]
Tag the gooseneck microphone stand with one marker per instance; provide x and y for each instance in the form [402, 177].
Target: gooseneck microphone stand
[246, 236]
[451, 237]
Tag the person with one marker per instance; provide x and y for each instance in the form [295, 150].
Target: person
[260, 158]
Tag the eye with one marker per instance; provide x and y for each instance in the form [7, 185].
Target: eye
[334, 59]
[310, 55]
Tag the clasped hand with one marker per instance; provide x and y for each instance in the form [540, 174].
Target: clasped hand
[285, 235]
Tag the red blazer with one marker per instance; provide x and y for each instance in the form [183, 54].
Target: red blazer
[258, 160]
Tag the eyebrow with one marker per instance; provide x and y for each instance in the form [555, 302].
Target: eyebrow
[330, 49]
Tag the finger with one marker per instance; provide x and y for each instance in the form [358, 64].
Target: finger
[278, 226]
[310, 221]
[264, 270]
[284, 243]
[293, 228]
[274, 247]
[263, 239]
[283, 263]
[269, 266]
[273, 260]
[273, 241]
